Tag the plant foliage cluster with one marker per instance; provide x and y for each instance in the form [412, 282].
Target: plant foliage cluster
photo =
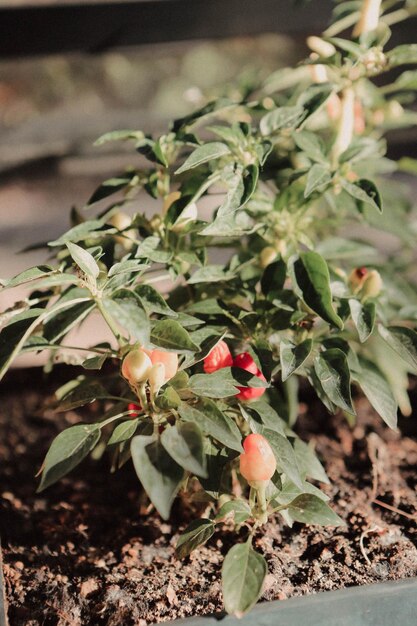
[296, 174]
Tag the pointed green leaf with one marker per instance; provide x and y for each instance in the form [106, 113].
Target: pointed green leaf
[159, 474]
[213, 422]
[203, 154]
[310, 509]
[170, 335]
[403, 340]
[84, 260]
[153, 301]
[363, 316]
[312, 278]
[332, 370]
[243, 574]
[293, 356]
[184, 443]
[123, 431]
[376, 389]
[317, 179]
[126, 309]
[237, 510]
[365, 191]
[67, 450]
[284, 455]
[196, 534]
[283, 117]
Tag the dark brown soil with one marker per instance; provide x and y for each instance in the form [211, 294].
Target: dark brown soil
[88, 551]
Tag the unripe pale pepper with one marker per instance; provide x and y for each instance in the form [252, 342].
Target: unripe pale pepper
[136, 366]
[168, 359]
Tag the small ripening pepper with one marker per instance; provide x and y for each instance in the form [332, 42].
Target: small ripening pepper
[134, 409]
[168, 359]
[218, 358]
[245, 362]
[257, 462]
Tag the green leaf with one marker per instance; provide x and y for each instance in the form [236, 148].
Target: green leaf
[196, 534]
[95, 362]
[376, 389]
[214, 385]
[237, 510]
[153, 301]
[268, 415]
[170, 335]
[308, 462]
[312, 278]
[365, 191]
[283, 117]
[333, 372]
[403, 55]
[310, 509]
[83, 393]
[284, 455]
[61, 323]
[84, 260]
[169, 399]
[159, 474]
[119, 135]
[213, 422]
[293, 356]
[184, 443]
[15, 333]
[203, 154]
[273, 278]
[211, 274]
[311, 144]
[317, 179]
[111, 186]
[126, 309]
[123, 431]
[243, 574]
[68, 449]
[34, 273]
[403, 341]
[363, 316]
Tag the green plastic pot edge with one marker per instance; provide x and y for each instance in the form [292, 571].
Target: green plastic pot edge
[3, 614]
[391, 603]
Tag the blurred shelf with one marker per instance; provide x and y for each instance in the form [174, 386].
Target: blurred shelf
[45, 27]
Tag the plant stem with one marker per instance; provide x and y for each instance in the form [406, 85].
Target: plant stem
[109, 321]
[369, 18]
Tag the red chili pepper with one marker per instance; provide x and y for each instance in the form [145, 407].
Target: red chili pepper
[218, 358]
[257, 462]
[134, 408]
[245, 362]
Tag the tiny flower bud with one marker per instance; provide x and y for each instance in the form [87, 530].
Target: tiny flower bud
[156, 377]
[245, 362]
[218, 358]
[356, 278]
[267, 256]
[168, 359]
[122, 221]
[372, 285]
[257, 462]
[136, 366]
[320, 46]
